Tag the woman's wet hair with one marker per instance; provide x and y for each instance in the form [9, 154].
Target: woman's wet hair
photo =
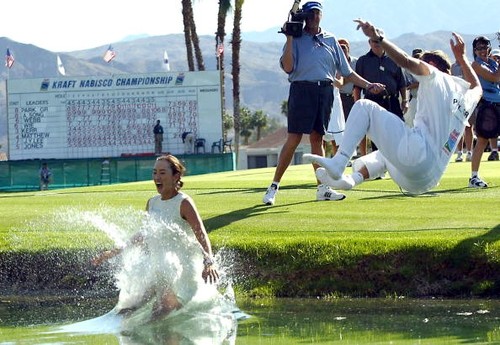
[175, 165]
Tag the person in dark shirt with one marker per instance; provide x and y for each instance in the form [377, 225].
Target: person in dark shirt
[158, 132]
[376, 67]
[45, 176]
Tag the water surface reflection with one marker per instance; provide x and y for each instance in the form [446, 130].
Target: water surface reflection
[277, 321]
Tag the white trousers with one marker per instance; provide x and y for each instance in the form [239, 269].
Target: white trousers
[403, 151]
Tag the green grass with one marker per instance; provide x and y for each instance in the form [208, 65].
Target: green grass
[376, 242]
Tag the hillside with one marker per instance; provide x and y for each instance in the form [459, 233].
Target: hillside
[263, 84]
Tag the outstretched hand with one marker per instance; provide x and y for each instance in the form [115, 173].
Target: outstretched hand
[457, 45]
[210, 274]
[368, 29]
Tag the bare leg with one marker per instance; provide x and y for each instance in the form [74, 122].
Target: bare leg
[166, 304]
[286, 155]
[477, 154]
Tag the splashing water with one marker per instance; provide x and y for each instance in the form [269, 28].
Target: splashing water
[169, 258]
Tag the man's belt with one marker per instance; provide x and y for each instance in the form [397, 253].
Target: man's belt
[317, 83]
[379, 97]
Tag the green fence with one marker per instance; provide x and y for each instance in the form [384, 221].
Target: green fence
[67, 173]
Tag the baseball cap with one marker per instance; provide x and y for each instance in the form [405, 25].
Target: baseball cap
[312, 5]
[343, 41]
[495, 52]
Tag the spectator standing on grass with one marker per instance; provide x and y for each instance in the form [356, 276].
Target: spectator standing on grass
[467, 139]
[311, 62]
[158, 133]
[347, 88]
[45, 176]
[417, 157]
[488, 111]
[377, 67]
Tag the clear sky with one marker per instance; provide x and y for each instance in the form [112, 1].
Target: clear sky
[68, 25]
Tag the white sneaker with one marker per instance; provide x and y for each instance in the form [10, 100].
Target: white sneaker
[476, 182]
[270, 195]
[459, 157]
[345, 182]
[468, 157]
[326, 193]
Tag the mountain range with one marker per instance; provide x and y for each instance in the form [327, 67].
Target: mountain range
[263, 84]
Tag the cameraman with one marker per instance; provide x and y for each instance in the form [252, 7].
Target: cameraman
[311, 60]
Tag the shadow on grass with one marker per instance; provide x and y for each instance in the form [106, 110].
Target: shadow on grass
[255, 190]
[225, 219]
[220, 221]
[468, 250]
[391, 194]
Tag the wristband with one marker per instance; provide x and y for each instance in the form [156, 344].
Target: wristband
[207, 261]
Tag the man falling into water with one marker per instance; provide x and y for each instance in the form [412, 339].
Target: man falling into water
[414, 157]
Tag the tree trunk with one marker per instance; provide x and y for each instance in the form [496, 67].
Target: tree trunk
[236, 45]
[187, 11]
[196, 43]
[224, 6]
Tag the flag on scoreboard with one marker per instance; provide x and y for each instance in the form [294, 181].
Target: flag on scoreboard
[9, 59]
[165, 61]
[60, 66]
[109, 55]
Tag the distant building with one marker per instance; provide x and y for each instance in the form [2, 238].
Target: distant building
[264, 153]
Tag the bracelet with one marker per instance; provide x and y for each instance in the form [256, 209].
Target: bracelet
[207, 261]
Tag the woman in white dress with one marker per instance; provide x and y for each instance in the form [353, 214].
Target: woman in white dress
[170, 254]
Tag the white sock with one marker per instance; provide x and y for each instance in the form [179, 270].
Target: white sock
[358, 178]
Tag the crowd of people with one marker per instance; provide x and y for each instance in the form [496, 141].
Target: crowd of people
[413, 112]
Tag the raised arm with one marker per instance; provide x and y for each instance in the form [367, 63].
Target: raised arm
[457, 46]
[400, 57]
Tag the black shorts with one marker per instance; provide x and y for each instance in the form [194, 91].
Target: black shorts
[488, 119]
[309, 107]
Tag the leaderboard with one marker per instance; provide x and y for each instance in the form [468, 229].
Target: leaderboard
[92, 117]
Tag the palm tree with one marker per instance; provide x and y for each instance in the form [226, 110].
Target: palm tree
[236, 45]
[259, 121]
[224, 7]
[191, 37]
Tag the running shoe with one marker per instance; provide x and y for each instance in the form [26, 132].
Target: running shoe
[270, 195]
[459, 157]
[493, 156]
[476, 182]
[468, 157]
[326, 193]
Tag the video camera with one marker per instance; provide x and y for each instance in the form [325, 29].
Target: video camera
[295, 24]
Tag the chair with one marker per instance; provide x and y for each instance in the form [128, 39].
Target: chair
[217, 145]
[199, 144]
[228, 143]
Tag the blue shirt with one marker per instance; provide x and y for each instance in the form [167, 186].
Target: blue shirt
[491, 90]
[317, 57]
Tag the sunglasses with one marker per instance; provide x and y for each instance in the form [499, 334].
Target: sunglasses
[375, 41]
[482, 48]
